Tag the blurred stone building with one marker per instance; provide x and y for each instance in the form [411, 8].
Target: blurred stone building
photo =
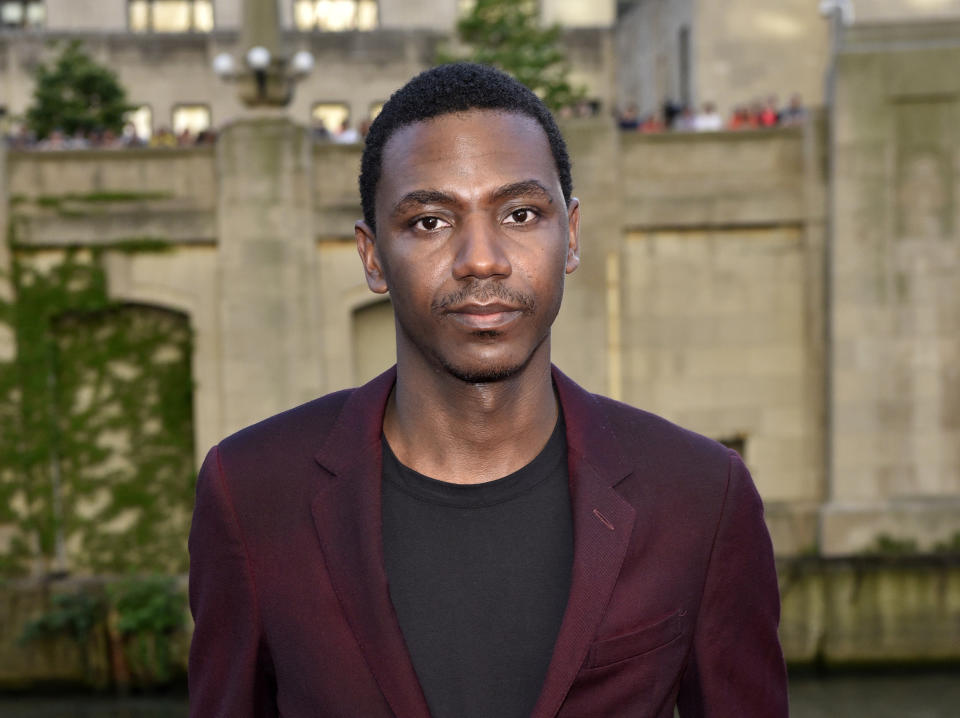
[162, 51]
[794, 292]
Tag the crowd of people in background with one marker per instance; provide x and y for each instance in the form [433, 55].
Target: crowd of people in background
[23, 138]
[342, 135]
[671, 116]
[683, 118]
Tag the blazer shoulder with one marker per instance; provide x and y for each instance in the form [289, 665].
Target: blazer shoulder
[300, 430]
[644, 433]
[669, 466]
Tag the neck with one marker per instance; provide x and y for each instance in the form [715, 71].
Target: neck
[467, 433]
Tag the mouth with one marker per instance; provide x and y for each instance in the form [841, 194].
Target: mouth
[484, 317]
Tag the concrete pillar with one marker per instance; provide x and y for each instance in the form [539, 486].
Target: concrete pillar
[589, 318]
[269, 334]
[895, 258]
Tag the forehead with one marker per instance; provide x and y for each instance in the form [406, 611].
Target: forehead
[466, 153]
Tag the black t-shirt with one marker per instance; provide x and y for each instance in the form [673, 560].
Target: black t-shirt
[479, 576]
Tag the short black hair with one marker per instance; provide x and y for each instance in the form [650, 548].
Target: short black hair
[446, 89]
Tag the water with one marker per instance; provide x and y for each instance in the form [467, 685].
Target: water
[93, 708]
[878, 696]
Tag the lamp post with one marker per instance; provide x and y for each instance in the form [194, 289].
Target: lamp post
[265, 75]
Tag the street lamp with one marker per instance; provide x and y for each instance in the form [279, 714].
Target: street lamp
[268, 75]
[302, 63]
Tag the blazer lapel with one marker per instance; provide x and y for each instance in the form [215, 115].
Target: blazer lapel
[602, 525]
[347, 515]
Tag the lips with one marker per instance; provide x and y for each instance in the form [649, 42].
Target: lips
[484, 316]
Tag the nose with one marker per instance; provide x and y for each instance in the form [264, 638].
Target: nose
[480, 251]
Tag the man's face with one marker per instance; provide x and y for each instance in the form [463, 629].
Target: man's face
[473, 242]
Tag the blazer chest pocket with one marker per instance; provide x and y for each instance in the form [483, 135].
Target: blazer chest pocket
[636, 643]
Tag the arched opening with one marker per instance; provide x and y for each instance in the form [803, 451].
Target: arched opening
[123, 453]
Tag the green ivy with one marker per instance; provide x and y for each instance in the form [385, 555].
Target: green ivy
[77, 616]
[149, 611]
[145, 615]
[78, 204]
[96, 436]
[73, 614]
[886, 545]
[949, 546]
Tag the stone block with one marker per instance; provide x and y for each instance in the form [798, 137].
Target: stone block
[850, 528]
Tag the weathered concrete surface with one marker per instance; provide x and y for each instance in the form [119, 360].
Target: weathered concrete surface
[722, 313]
[835, 613]
[60, 660]
[739, 51]
[176, 173]
[870, 611]
[270, 355]
[895, 293]
[359, 70]
[700, 295]
[697, 296]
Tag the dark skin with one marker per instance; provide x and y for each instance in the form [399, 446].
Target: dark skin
[474, 241]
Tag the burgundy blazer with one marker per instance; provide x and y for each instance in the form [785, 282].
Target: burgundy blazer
[673, 595]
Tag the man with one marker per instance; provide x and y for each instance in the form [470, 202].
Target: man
[471, 533]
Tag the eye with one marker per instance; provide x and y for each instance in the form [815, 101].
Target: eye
[429, 224]
[524, 215]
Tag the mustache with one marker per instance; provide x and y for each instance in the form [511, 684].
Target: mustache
[481, 292]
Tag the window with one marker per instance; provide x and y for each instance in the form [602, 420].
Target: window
[22, 13]
[190, 118]
[335, 15]
[331, 114]
[142, 121]
[738, 443]
[170, 15]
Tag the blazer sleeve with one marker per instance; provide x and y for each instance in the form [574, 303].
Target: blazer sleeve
[228, 673]
[736, 665]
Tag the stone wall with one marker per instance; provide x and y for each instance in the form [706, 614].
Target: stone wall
[869, 612]
[722, 314]
[163, 71]
[166, 196]
[696, 298]
[895, 294]
[358, 69]
[890, 11]
[701, 295]
[835, 614]
[739, 51]
[748, 51]
[102, 661]
[648, 50]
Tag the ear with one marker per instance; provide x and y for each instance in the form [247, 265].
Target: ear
[372, 267]
[573, 241]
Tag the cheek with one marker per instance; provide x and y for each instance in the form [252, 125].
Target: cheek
[412, 285]
[550, 266]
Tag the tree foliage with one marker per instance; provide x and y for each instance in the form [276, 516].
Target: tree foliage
[74, 94]
[507, 34]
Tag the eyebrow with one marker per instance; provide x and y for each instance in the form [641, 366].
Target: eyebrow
[524, 188]
[421, 197]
